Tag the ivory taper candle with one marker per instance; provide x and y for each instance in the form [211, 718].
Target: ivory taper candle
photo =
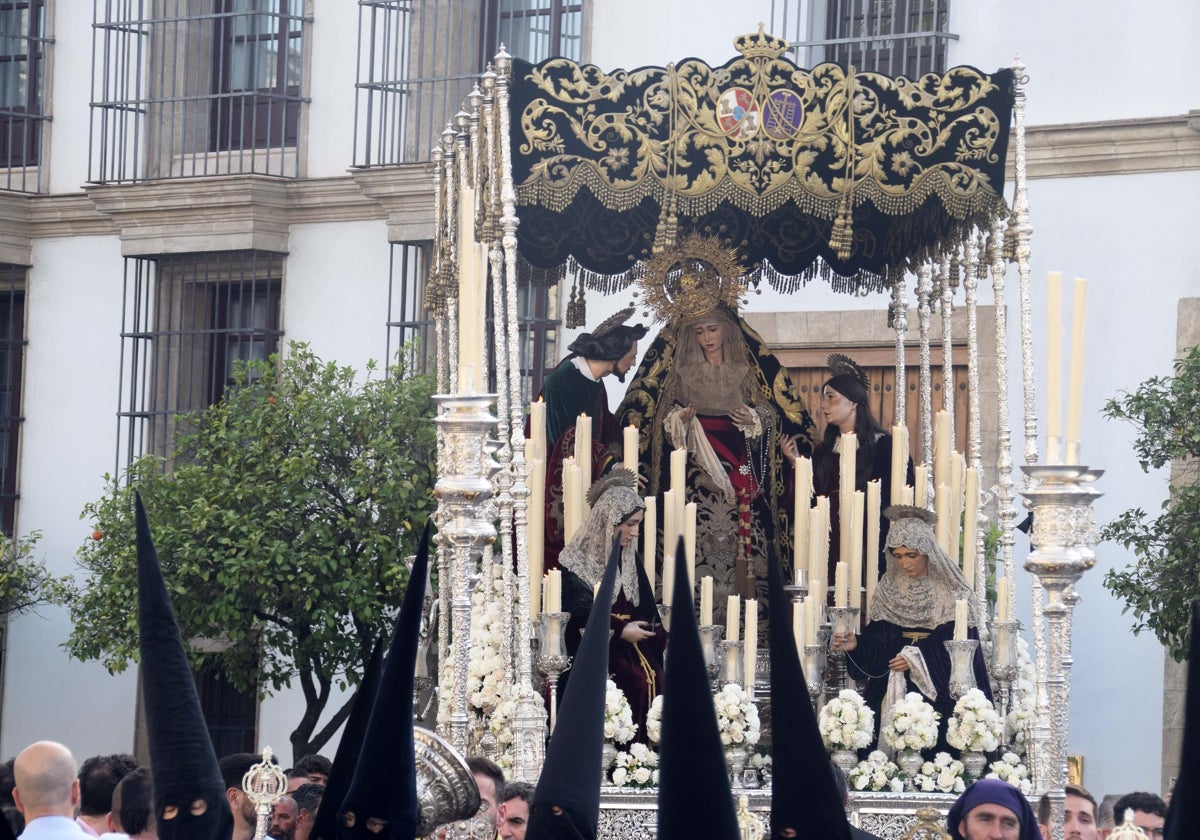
[750, 648]
[1075, 381]
[706, 601]
[630, 443]
[873, 503]
[650, 537]
[803, 501]
[732, 605]
[1054, 333]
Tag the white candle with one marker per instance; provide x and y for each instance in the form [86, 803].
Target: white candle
[941, 508]
[798, 626]
[671, 528]
[839, 585]
[1002, 599]
[583, 459]
[970, 526]
[823, 531]
[750, 650]
[472, 283]
[846, 474]
[467, 383]
[572, 499]
[816, 560]
[942, 447]
[535, 531]
[631, 448]
[874, 491]
[732, 605]
[812, 614]
[921, 485]
[899, 463]
[689, 543]
[958, 467]
[668, 596]
[1075, 382]
[649, 538]
[1054, 369]
[679, 471]
[800, 514]
[537, 428]
[706, 601]
[960, 620]
[545, 592]
[854, 574]
[554, 592]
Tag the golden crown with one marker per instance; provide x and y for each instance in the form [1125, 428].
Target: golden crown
[760, 44]
[692, 278]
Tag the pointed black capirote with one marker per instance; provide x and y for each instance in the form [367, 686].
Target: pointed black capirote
[694, 798]
[384, 785]
[804, 795]
[345, 760]
[183, 767]
[1183, 817]
[566, 802]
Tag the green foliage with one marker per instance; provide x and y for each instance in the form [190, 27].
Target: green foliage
[24, 581]
[281, 529]
[1160, 586]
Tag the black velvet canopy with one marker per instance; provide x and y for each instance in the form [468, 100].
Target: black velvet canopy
[801, 170]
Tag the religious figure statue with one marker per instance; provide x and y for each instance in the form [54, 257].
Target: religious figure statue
[708, 384]
[909, 619]
[575, 387]
[635, 651]
[846, 407]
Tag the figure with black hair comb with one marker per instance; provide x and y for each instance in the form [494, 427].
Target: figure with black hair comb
[846, 406]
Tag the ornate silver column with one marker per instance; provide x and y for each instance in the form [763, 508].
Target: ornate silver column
[529, 721]
[924, 291]
[1061, 499]
[900, 325]
[463, 490]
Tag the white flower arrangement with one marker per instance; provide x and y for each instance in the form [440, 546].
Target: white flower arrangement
[487, 676]
[942, 775]
[1008, 768]
[847, 722]
[637, 768]
[1024, 699]
[975, 725]
[654, 720]
[912, 724]
[876, 772]
[737, 716]
[618, 716]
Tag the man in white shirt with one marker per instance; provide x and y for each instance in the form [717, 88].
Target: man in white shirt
[47, 792]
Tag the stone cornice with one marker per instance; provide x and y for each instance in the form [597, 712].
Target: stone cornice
[1113, 147]
[220, 213]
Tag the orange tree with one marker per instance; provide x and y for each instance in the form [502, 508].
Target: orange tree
[282, 527]
[1159, 587]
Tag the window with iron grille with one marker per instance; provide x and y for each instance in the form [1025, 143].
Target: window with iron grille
[408, 322]
[537, 319]
[893, 37]
[22, 73]
[184, 88]
[231, 715]
[418, 59]
[188, 321]
[12, 358]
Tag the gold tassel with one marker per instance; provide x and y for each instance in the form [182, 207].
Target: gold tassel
[842, 237]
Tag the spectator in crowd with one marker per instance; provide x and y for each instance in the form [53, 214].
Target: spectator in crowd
[514, 813]
[133, 807]
[47, 792]
[1149, 812]
[1079, 815]
[283, 818]
[990, 809]
[316, 767]
[1104, 816]
[233, 770]
[308, 800]
[490, 779]
[98, 777]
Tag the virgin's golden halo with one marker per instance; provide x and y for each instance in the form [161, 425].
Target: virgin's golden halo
[692, 278]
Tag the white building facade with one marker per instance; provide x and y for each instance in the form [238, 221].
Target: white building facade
[260, 170]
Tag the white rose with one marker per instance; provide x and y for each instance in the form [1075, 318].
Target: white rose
[641, 775]
[620, 776]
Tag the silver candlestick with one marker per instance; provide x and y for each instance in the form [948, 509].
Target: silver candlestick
[1003, 667]
[732, 661]
[463, 490]
[710, 638]
[814, 669]
[552, 657]
[842, 621]
[962, 665]
[1061, 499]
